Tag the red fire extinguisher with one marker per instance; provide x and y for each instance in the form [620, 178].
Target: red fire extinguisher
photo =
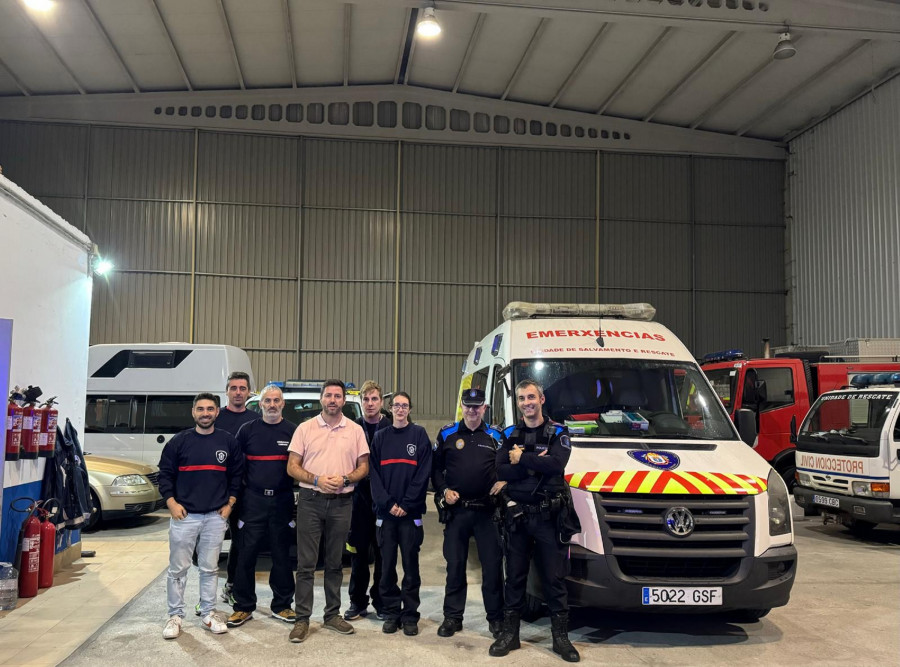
[14, 418]
[48, 429]
[28, 560]
[31, 434]
[48, 545]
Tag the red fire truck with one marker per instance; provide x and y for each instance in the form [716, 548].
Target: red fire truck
[780, 388]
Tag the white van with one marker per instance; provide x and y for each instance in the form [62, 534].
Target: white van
[140, 395]
[848, 454]
[677, 513]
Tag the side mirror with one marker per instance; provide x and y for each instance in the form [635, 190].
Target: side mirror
[745, 420]
[487, 414]
[794, 429]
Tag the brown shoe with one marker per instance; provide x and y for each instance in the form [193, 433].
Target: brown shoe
[300, 631]
[338, 624]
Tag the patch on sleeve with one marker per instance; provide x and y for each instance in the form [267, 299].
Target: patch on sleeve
[565, 442]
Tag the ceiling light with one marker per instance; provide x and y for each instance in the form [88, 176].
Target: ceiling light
[103, 266]
[428, 25]
[39, 5]
[785, 48]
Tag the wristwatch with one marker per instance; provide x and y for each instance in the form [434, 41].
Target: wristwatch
[346, 481]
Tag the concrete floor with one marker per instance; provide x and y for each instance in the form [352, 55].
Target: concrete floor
[845, 610]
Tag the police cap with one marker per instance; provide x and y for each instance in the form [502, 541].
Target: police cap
[473, 397]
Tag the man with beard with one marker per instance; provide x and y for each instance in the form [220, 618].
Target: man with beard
[267, 507]
[328, 456]
[362, 524]
[199, 477]
[231, 418]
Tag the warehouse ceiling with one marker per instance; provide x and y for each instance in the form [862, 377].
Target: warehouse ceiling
[696, 64]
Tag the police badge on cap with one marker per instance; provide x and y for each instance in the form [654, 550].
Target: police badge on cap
[473, 397]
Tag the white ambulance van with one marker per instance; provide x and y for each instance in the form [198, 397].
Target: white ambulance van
[677, 513]
[140, 395]
[847, 454]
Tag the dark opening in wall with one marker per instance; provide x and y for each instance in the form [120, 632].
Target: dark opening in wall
[363, 114]
[387, 114]
[338, 113]
[459, 120]
[435, 117]
[412, 115]
[294, 113]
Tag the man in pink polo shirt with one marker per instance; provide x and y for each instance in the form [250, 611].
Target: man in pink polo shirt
[328, 455]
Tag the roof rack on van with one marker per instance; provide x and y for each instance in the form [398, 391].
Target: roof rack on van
[521, 310]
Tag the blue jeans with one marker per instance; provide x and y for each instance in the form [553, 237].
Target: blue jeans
[205, 532]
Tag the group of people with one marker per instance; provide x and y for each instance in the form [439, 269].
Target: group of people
[365, 483]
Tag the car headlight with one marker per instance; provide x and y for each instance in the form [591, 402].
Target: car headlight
[123, 485]
[779, 505]
[130, 480]
[871, 489]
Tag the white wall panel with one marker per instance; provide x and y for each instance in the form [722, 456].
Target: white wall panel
[844, 223]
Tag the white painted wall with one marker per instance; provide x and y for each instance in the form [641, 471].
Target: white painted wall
[45, 288]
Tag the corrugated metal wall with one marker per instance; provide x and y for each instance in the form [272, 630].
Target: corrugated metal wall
[844, 223]
[359, 259]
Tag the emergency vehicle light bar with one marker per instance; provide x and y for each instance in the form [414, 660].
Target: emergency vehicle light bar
[724, 355]
[521, 310]
[870, 379]
[310, 384]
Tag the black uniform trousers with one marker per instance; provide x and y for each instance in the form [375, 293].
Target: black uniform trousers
[235, 547]
[400, 603]
[533, 534]
[266, 522]
[463, 524]
[362, 538]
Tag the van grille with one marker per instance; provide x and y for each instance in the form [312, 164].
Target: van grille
[634, 532]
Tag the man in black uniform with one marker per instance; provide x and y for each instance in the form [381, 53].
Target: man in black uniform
[532, 461]
[362, 522]
[267, 508]
[234, 415]
[464, 476]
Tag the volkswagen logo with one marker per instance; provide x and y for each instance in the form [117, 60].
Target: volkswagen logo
[679, 521]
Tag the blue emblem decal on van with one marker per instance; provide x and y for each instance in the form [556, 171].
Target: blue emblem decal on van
[656, 459]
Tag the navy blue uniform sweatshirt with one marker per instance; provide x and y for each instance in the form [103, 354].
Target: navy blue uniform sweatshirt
[201, 471]
[534, 474]
[232, 421]
[264, 447]
[465, 461]
[399, 468]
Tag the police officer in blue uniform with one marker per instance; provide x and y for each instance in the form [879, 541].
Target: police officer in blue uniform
[464, 478]
[532, 461]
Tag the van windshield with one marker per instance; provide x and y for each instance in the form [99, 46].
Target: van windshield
[629, 397]
[298, 410]
[846, 423]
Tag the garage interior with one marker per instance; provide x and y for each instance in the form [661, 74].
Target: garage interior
[317, 184]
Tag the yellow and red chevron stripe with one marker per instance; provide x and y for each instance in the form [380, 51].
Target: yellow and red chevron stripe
[667, 481]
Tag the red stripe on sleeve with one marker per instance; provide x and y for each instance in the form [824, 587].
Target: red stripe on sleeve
[195, 468]
[409, 461]
[274, 457]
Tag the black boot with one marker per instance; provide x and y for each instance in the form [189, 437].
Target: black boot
[559, 627]
[509, 635]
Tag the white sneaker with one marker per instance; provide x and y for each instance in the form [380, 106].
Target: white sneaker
[173, 627]
[214, 624]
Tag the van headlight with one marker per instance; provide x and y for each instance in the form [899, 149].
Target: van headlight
[871, 489]
[779, 505]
